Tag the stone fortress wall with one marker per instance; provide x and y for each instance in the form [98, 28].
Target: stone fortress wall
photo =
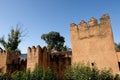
[57, 61]
[9, 61]
[3, 60]
[93, 42]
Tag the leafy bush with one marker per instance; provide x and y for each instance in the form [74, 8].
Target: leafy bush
[40, 73]
[85, 72]
[18, 76]
[37, 74]
[5, 76]
[74, 72]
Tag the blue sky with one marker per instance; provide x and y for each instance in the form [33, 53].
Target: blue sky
[42, 16]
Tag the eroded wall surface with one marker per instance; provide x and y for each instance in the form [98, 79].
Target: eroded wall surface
[93, 42]
[57, 61]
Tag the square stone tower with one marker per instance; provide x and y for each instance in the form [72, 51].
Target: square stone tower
[93, 43]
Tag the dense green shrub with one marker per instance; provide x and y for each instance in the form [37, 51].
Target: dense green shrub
[73, 72]
[85, 72]
[40, 73]
[18, 76]
[37, 74]
[5, 76]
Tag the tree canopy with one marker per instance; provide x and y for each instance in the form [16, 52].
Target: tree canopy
[14, 38]
[117, 46]
[54, 41]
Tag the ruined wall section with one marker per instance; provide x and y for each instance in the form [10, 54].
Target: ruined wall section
[33, 57]
[12, 62]
[46, 58]
[3, 59]
[39, 56]
[13, 57]
[9, 61]
[59, 61]
[93, 42]
[56, 61]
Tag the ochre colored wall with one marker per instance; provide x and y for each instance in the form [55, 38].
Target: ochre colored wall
[3, 56]
[118, 56]
[33, 57]
[57, 61]
[9, 61]
[13, 61]
[93, 43]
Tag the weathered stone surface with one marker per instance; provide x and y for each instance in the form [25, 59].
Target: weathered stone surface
[95, 45]
[57, 61]
[9, 61]
[91, 42]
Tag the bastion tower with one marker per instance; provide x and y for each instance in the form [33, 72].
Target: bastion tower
[93, 42]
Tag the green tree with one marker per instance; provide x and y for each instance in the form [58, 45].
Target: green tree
[117, 46]
[54, 41]
[14, 38]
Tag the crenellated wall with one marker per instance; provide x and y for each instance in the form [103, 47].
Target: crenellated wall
[3, 59]
[13, 61]
[33, 56]
[45, 58]
[93, 42]
[91, 29]
[59, 61]
[9, 61]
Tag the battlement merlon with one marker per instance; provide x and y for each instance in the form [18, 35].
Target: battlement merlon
[105, 18]
[33, 49]
[93, 22]
[73, 27]
[3, 53]
[29, 50]
[83, 23]
[44, 49]
[38, 49]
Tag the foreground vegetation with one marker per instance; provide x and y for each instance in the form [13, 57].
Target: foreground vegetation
[85, 72]
[75, 72]
[37, 74]
[13, 41]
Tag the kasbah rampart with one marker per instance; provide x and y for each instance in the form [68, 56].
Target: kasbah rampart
[91, 42]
